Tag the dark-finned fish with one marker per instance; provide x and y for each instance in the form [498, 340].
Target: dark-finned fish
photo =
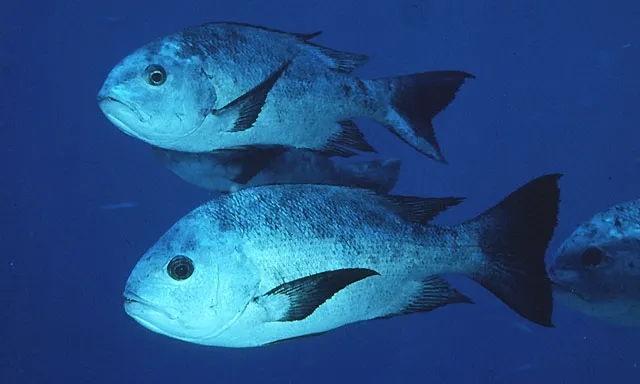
[229, 170]
[225, 85]
[274, 263]
[596, 270]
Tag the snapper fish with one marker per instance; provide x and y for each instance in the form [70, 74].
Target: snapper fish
[273, 263]
[596, 270]
[225, 85]
[229, 170]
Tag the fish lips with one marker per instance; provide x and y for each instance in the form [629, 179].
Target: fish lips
[125, 116]
[119, 113]
[560, 287]
[138, 307]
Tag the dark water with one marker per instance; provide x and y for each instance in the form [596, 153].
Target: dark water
[557, 90]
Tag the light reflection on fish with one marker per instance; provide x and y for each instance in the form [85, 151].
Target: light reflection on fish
[234, 169]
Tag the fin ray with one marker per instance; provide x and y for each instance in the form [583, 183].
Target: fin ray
[305, 295]
[350, 137]
[416, 100]
[434, 293]
[341, 61]
[514, 236]
[246, 108]
[420, 210]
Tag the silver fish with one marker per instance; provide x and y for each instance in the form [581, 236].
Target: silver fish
[229, 170]
[274, 263]
[596, 270]
[225, 85]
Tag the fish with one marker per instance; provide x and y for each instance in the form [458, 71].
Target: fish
[229, 170]
[596, 269]
[226, 84]
[271, 264]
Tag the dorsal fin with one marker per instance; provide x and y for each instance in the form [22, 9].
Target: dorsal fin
[307, 36]
[301, 36]
[420, 210]
[413, 209]
[341, 61]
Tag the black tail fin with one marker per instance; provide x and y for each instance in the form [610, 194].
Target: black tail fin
[514, 236]
[415, 100]
[378, 175]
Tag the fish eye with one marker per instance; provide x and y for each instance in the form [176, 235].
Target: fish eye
[592, 257]
[156, 75]
[180, 268]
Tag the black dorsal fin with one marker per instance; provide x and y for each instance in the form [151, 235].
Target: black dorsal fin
[420, 210]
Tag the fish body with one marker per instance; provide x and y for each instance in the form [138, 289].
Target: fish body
[596, 270]
[225, 85]
[274, 263]
[231, 170]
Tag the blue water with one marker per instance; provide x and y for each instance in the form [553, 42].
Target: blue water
[557, 90]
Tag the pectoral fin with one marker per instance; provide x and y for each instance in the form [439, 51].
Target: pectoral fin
[250, 159]
[305, 295]
[244, 110]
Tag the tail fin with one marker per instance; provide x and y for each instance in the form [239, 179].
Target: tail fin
[415, 100]
[378, 175]
[514, 236]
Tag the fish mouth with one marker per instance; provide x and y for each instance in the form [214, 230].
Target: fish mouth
[558, 286]
[106, 99]
[112, 107]
[117, 111]
[134, 304]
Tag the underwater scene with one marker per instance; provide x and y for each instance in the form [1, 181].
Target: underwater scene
[311, 191]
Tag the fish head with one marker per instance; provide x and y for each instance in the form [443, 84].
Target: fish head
[157, 94]
[597, 268]
[193, 284]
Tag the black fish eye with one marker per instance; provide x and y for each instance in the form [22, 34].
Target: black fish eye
[156, 75]
[592, 257]
[180, 268]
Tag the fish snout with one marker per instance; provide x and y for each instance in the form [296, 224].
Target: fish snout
[135, 303]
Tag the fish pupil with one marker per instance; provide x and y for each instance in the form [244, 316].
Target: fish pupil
[180, 268]
[592, 257]
[156, 75]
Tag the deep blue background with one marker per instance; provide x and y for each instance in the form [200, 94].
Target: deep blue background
[557, 90]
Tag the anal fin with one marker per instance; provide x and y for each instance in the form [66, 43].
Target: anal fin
[350, 137]
[435, 292]
[311, 335]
